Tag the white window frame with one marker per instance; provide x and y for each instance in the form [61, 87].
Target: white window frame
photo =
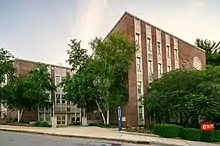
[168, 51]
[138, 64]
[150, 68]
[58, 80]
[159, 69]
[149, 45]
[138, 39]
[168, 68]
[139, 87]
[58, 98]
[176, 54]
[159, 48]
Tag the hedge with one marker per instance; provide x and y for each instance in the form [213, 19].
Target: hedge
[172, 130]
[211, 136]
[191, 134]
[167, 130]
[41, 124]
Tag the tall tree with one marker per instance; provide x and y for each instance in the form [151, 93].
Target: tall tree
[31, 92]
[212, 50]
[77, 55]
[101, 80]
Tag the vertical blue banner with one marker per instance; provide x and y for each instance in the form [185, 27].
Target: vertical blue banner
[119, 119]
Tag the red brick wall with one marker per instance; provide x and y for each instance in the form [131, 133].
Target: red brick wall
[172, 52]
[186, 54]
[164, 60]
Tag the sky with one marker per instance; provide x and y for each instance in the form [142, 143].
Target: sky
[40, 30]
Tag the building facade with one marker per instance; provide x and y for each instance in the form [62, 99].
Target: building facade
[65, 112]
[158, 52]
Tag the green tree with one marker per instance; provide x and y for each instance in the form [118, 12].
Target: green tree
[7, 69]
[184, 95]
[101, 80]
[77, 55]
[212, 50]
[29, 93]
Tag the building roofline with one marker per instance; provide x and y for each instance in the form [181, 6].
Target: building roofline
[126, 12]
[132, 15]
[31, 61]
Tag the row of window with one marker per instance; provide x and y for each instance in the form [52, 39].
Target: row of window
[150, 66]
[159, 51]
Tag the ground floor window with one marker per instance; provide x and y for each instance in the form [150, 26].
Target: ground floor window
[63, 119]
[41, 117]
[58, 120]
[48, 118]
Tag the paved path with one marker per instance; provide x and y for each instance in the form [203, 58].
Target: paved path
[103, 133]
[27, 139]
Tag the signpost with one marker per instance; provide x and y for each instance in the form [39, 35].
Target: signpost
[119, 119]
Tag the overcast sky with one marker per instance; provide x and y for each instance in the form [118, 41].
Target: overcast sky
[40, 30]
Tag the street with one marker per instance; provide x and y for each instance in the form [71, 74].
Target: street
[26, 139]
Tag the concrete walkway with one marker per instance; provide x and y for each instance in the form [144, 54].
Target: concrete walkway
[104, 133]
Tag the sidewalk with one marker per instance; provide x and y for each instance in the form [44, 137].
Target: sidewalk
[106, 134]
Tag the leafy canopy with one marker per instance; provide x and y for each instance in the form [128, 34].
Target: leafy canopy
[212, 51]
[183, 94]
[101, 78]
[31, 92]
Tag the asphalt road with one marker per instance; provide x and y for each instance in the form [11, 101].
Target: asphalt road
[26, 139]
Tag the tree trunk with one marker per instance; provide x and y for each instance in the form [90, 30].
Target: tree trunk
[107, 115]
[102, 114]
[20, 115]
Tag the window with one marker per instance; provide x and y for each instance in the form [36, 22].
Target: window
[138, 63]
[63, 99]
[159, 69]
[140, 112]
[150, 69]
[48, 117]
[176, 54]
[168, 51]
[168, 68]
[63, 120]
[58, 98]
[148, 44]
[58, 120]
[138, 39]
[41, 117]
[139, 87]
[58, 80]
[158, 48]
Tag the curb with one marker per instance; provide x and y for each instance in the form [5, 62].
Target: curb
[77, 136]
[141, 134]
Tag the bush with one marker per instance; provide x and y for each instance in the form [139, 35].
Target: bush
[191, 134]
[76, 123]
[41, 124]
[167, 130]
[211, 136]
[149, 127]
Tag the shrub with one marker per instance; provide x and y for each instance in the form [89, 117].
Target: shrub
[76, 123]
[149, 126]
[167, 130]
[211, 136]
[41, 124]
[191, 134]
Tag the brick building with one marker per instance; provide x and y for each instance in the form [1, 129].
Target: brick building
[65, 112]
[159, 52]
